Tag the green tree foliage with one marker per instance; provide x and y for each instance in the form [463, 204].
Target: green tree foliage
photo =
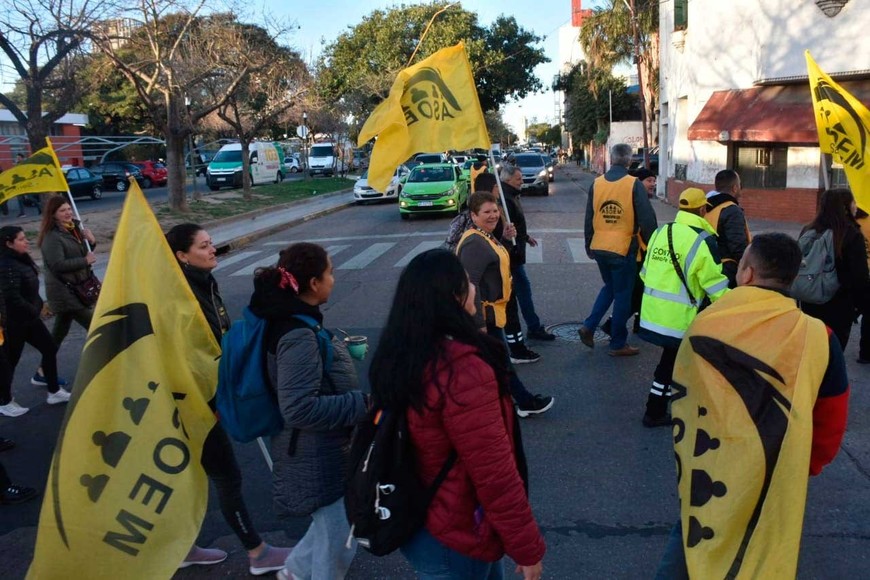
[607, 38]
[42, 45]
[111, 103]
[589, 92]
[360, 65]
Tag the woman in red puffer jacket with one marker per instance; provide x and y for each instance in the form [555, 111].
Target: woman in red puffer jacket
[452, 378]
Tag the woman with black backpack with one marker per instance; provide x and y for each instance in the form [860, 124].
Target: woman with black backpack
[836, 212]
[320, 403]
[451, 381]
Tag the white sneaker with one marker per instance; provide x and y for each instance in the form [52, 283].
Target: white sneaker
[12, 409]
[57, 398]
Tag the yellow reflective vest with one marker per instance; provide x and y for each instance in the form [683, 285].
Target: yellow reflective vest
[494, 307]
[614, 222]
[667, 308]
[746, 380]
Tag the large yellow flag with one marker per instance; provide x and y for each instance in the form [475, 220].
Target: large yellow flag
[432, 106]
[39, 173]
[843, 123]
[127, 493]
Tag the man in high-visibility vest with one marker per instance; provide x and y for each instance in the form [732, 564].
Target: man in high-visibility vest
[727, 218]
[760, 400]
[681, 273]
[619, 219]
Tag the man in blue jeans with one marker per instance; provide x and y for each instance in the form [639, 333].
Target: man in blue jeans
[618, 218]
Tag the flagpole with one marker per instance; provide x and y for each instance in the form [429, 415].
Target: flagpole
[69, 194]
[507, 217]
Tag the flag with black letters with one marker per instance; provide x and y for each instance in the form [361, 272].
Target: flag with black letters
[127, 493]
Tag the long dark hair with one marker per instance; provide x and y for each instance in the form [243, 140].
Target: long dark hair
[427, 308]
[8, 234]
[48, 212]
[835, 214]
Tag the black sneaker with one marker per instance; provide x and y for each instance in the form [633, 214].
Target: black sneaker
[17, 494]
[605, 328]
[6, 444]
[541, 333]
[521, 354]
[539, 404]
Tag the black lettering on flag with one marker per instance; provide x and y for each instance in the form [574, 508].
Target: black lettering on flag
[131, 523]
[161, 460]
[154, 486]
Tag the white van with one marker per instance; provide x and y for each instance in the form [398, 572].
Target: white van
[225, 168]
[325, 159]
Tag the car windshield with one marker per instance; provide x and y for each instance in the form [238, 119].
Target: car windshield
[228, 156]
[528, 161]
[322, 151]
[468, 164]
[431, 174]
[365, 174]
[428, 159]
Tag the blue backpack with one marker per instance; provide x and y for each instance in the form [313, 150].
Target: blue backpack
[246, 402]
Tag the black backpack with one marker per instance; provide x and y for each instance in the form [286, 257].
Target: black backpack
[386, 503]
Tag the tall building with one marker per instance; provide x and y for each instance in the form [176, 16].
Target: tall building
[735, 94]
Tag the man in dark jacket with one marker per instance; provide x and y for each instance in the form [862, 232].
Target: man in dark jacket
[511, 179]
[727, 218]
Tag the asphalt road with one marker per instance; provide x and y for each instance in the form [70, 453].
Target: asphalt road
[602, 486]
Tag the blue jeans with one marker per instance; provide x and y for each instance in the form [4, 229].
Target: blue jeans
[321, 554]
[523, 291]
[673, 564]
[618, 274]
[432, 560]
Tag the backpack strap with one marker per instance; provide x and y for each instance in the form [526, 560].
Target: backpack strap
[676, 262]
[324, 340]
[442, 475]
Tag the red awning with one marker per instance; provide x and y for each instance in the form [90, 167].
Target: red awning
[769, 114]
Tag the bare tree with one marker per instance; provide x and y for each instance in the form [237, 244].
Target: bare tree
[170, 53]
[44, 41]
[276, 79]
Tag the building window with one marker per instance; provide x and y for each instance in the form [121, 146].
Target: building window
[681, 14]
[761, 166]
[838, 176]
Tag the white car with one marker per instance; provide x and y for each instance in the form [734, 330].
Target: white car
[363, 192]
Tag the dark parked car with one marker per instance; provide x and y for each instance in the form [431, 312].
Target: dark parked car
[637, 159]
[83, 183]
[116, 174]
[154, 173]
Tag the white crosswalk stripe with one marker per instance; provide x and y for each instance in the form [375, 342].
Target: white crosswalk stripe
[367, 256]
[334, 250]
[240, 257]
[577, 246]
[421, 247]
[535, 255]
[248, 270]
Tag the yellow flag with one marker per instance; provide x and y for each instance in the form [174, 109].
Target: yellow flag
[843, 123]
[127, 493]
[39, 173]
[432, 106]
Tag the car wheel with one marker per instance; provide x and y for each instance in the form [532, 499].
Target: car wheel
[279, 178]
[146, 183]
[121, 185]
[294, 170]
[405, 216]
[96, 192]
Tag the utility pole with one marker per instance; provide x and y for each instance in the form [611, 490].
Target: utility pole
[636, 32]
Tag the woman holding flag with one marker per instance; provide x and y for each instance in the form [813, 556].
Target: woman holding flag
[67, 252]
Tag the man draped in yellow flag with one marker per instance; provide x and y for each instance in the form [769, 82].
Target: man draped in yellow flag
[432, 106]
[127, 493]
[843, 123]
[39, 173]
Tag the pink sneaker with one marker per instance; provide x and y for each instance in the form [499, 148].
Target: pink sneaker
[271, 559]
[203, 557]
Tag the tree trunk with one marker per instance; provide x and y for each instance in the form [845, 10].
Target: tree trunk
[177, 176]
[246, 165]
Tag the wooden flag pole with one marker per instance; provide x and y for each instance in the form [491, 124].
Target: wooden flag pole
[507, 217]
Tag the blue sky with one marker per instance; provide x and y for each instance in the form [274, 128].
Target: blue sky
[326, 19]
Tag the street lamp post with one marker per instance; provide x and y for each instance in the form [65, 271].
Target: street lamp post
[636, 33]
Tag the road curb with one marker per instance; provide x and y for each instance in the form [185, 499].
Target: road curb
[242, 241]
[272, 208]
